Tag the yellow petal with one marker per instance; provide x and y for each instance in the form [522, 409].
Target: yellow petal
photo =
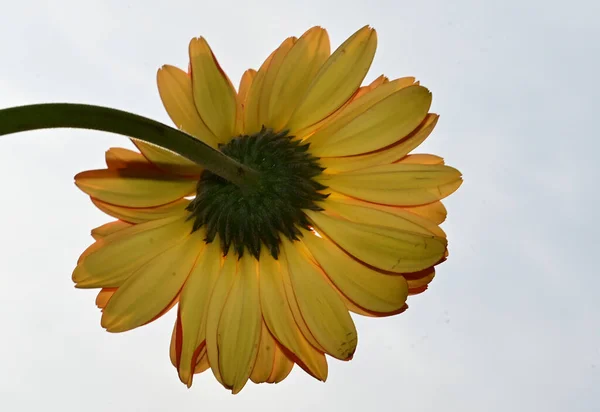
[118, 158]
[384, 156]
[321, 306]
[282, 366]
[397, 184]
[193, 307]
[104, 296]
[176, 91]
[245, 83]
[134, 187]
[380, 215]
[273, 69]
[436, 212]
[252, 117]
[294, 76]
[202, 363]
[419, 284]
[108, 229]
[153, 287]
[215, 308]
[239, 327]
[168, 161]
[422, 159]
[374, 121]
[214, 95]
[390, 249]
[140, 215]
[280, 320]
[371, 290]
[337, 80]
[265, 357]
[115, 257]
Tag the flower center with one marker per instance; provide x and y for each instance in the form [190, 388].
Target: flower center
[251, 218]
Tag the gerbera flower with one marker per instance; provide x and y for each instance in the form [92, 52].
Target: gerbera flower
[343, 218]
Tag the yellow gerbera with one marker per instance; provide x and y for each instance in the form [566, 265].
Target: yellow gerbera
[342, 219]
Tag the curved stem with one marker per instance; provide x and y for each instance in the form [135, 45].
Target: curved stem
[81, 116]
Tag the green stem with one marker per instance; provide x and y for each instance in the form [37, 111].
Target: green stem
[81, 116]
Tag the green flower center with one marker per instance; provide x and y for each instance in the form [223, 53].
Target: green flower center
[251, 218]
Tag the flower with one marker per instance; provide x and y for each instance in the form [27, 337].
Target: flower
[343, 219]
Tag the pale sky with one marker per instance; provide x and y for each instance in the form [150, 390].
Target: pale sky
[511, 322]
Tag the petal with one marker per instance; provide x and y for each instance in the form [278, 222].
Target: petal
[282, 366]
[252, 117]
[176, 91]
[239, 327]
[294, 76]
[370, 290]
[153, 287]
[134, 187]
[108, 229]
[337, 80]
[422, 159]
[214, 95]
[380, 215]
[119, 158]
[384, 156]
[280, 319]
[140, 215]
[374, 121]
[420, 284]
[114, 258]
[264, 101]
[215, 308]
[168, 161]
[245, 83]
[390, 249]
[193, 307]
[436, 212]
[321, 307]
[265, 357]
[104, 296]
[397, 184]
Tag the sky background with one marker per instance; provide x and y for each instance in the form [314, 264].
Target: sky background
[511, 323]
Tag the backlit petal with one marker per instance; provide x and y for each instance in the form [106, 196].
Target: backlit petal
[108, 229]
[397, 184]
[364, 286]
[422, 159]
[372, 122]
[239, 326]
[193, 307]
[384, 156]
[134, 187]
[321, 306]
[140, 215]
[253, 110]
[337, 80]
[104, 296]
[218, 300]
[115, 257]
[118, 158]
[390, 249]
[245, 83]
[265, 357]
[297, 71]
[380, 215]
[280, 320]
[282, 366]
[214, 95]
[153, 287]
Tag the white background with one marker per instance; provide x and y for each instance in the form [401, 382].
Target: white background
[511, 323]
